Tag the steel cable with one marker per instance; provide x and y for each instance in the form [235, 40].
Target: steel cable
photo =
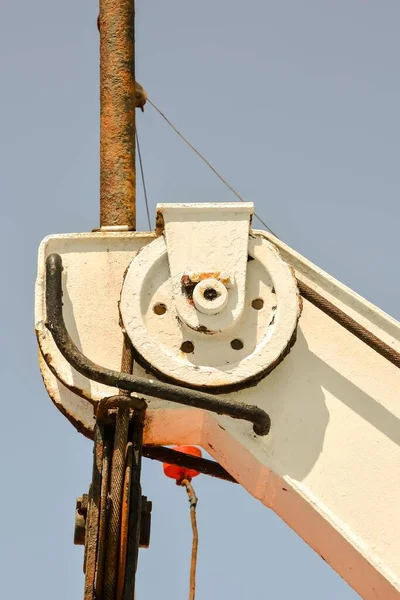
[319, 301]
[206, 161]
[117, 482]
[143, 180]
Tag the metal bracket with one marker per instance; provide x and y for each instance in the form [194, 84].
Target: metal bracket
[208, 242]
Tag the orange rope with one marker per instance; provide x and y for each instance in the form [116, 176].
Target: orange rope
[193, 563]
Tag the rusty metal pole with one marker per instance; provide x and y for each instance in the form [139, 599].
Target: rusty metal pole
[117, 210]
[117, 114]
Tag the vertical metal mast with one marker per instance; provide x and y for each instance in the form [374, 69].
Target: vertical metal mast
[117, 114]
[115, 499]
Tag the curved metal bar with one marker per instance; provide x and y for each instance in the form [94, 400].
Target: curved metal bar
[56, 325]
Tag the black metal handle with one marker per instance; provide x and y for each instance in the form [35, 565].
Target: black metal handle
[56, 325]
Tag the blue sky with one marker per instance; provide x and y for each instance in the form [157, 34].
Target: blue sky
[296, 103]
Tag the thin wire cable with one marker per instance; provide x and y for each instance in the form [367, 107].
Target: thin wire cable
[206, 161]
[193, 563]
[143, 180]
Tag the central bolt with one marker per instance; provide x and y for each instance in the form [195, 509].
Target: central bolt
[210, 294]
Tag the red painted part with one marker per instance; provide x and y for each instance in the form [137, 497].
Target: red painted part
[178, 473]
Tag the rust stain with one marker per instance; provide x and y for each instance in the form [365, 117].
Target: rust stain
[196, 277]
[187, 288]
[189, 282]
[203, 329]
[160, 225]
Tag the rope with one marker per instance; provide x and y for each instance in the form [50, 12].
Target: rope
[92, 525]
[143, 181]
[102, 534]
[322, 303]
[193, 562]
[206, 162]
[117, 481]
[123, 542]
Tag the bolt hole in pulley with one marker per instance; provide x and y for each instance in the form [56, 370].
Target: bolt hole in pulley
[187, 347]
[159, 308]
[257, 303]
[237, 344]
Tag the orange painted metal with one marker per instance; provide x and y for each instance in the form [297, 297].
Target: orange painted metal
[179, 473]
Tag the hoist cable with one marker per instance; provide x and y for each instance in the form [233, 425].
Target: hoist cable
[346, 321]
[206, 161]
[143, 180]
